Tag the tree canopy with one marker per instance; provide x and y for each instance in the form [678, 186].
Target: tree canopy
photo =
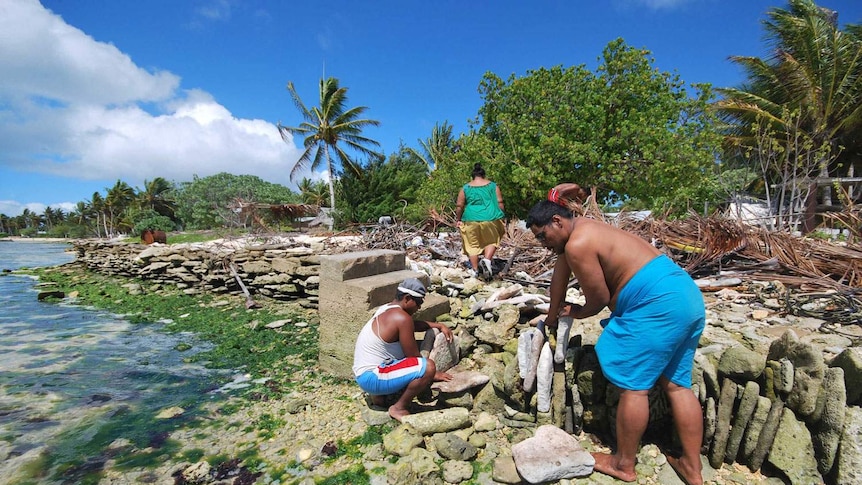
[383, 188]
[207, 202]
[628, 129]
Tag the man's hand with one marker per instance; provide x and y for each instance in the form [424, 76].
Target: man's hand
[442, 376]
[443, 329]
[551, 321]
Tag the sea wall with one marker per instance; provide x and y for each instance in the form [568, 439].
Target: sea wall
[287, 271]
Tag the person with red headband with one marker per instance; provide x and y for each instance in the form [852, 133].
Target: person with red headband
[386, 358]
[657, 317]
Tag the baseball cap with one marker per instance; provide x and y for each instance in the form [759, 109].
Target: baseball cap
[412, 287]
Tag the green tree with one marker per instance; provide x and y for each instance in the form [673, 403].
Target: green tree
[29, 223]
[149, 219]
[80, 214]
[53, 216]
[384, 187]
[210, 202]
[438, 147]
[156, 195]
[628, 129]
[97, 206]
[812, 83]
[32, 220]
[657, 144]
[327, 129]
[119, 198]
[313, 192]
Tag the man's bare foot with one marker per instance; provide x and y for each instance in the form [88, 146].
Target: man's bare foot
[691, 475]
[397, 413]
[605, 464]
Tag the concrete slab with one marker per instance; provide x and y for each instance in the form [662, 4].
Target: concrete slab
[348, 266]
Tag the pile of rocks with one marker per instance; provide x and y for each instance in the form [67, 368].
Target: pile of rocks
[771, 399]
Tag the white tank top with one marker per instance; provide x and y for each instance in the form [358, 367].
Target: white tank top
[371, 350]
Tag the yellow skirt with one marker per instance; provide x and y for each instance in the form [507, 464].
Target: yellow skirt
[478, 235]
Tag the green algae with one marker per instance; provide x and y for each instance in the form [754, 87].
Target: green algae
[239, 341]
[267, 425]
[355, 475]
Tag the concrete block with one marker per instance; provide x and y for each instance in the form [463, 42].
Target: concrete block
[348, 266]
[352, 285]
[435, 305]
[360, 295]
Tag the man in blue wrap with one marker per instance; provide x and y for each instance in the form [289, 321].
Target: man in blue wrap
[657, 317]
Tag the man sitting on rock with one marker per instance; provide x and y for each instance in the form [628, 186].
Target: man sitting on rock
[386, 358]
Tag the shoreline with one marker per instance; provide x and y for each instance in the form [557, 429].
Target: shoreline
[36, 239]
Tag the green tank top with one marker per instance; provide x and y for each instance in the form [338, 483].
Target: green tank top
[481, 203]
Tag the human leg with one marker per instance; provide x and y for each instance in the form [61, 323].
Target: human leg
[632, 420]
[416, 386]
[474, 261]
[688, 417]
[471, 243]
[489, 252]
[386, 383]
[485, 264]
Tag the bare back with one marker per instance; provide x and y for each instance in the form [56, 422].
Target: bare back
[604, 258]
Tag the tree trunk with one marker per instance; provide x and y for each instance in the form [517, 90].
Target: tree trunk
[827, 189]
[809, 218]
[331, 187]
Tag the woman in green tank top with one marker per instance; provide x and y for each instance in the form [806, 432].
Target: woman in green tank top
[479, 214]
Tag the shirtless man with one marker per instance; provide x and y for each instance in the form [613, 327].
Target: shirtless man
[386, 358]
[656, 321]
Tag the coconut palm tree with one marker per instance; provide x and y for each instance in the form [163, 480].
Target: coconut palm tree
[97, 208]
[53, 216]
[156, 196]
[812, 83]
[326, 130]
[313, 191]
[436, 148]
[80, 214]
[119, 198]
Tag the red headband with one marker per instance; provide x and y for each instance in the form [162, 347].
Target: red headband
[554, 196]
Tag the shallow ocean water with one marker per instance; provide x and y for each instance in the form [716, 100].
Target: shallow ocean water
[73, 380]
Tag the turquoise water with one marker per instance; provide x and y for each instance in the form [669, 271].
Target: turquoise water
[74, 380]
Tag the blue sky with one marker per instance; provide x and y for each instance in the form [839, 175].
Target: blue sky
[94, 91]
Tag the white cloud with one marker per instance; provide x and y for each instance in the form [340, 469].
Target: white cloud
[215, 10]
[14, 208]
[43, 57]
[77, 110]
